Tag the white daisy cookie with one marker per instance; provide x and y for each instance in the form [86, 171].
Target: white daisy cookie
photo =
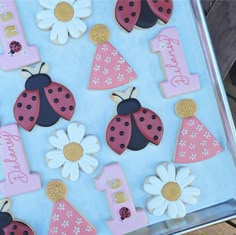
[73, 151]
[170, 191]
[63, 17]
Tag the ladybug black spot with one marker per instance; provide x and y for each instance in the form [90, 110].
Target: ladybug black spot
[155, 1]
[25, 233]
[50, 91]
[122, 146]
[67, 96]
[126, 20]
[59, 89]
[14, 227]
[113, 128]
[149, 127]
[12, 233]
[120, 8]
[71, 108]
[144, 111]
[21, 118]
[153, 117]
[126, 124]
[118, 119]
[160, 9]
[141, 119]
[19, 105]
[56, 100]
[28, 106]
[166, 0]
[168, 11]
[33, 98]
[63, 109]
[24, 95]
[133, 14]
[121, 133]
[131, 4]
[155, 137]
[31, 119]
[159, 128]
[112, 139]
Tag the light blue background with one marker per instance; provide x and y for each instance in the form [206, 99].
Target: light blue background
[70, 65]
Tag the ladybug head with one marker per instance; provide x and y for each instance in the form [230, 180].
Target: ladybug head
[5, 217]
[127, 103]
[37, 77]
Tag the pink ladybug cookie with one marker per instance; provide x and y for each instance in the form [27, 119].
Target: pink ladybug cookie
[65, 219]
[134, 126]
[195, 142]
[109, 68]
[42, 102]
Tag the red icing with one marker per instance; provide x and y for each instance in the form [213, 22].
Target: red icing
[151, 127]
[65, 106]
[120, 131]
[26, 109]
[162, 9]
[17, 228]
[127, 13]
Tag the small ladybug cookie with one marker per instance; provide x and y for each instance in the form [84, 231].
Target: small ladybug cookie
[134, 126]
[15, 47]
[8, 226]
[42, 102]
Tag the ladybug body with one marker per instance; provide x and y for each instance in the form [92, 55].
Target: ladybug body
[142, 13]
[15, 47]
[124, 213]
[42, 102]
[134, 126]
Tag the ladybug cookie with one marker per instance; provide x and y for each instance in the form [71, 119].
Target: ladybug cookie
[134, 126]
[142, 13]
[8, 226]
[42, 102]
[15, 47]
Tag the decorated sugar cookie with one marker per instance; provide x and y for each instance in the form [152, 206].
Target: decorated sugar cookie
[42, 102]
[18, 179]
[134, 126]
[178, 80]
[64, 18]
[195, 142]
[17, 52]
[65, 219]
[9, 226]
[170, 190]
[73, 151]
[125, 217]
[109, 68]
[142, 13]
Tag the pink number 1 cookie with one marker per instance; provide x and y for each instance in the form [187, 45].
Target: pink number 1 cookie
[125, 218]
[178, 79]
[17, 53]
[195, 142]
[65, 219]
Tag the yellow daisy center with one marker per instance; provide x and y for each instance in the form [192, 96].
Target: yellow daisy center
[64, 11]
[171, 191]
[73, 152]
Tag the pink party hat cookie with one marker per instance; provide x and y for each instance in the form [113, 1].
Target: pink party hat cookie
[195, 142]
[65, 219]
[109, 68]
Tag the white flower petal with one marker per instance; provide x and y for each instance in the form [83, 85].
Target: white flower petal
[154, 185]
[181, 209]
[74, 172]
[73, 30]
[46, 24]
[187, 181]
[56, 162]
[66, 169]
[88, 164]
[62, 137]
[45, 14]
[172, 210]
[171, 171]
[76, 132]
[48, 4]
[162, 173]
[189, 195]
[82, 27]
[82, 4]
[193, 191]
[59, 32]
[188, 199]
[54, 153]
[53, 140]
[82, 12]
[90, 144]
[182, 174]
[157, 205]
[68, 1]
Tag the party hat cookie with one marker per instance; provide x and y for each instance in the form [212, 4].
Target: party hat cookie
[195, 142]
[109, 68]
[65, 219]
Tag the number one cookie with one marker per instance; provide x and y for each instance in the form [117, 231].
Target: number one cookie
[18, 178]
[17, 53]
[125, 218]
[178, 79]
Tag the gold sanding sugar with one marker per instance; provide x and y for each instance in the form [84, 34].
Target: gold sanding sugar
[171, 191]
[56, 190]
[73, 152]
[64, 11]
[186, 108]
[99, 34]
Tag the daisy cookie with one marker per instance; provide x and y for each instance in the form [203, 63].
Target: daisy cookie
[73, 151]
[170, 190]
[109, 68]
[65, 219]
[64, 18]
[195, 142]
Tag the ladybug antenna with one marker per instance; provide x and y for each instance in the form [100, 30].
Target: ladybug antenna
[41, 66]
[114, 94]
[132, 92]
[3, 205]
[25, 70]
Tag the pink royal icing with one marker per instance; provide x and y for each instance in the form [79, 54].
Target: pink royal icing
[17, 53]
[125, 218]
[66, 220]
[18, 178]
[195, 142]
[109, 69]
[178, 79]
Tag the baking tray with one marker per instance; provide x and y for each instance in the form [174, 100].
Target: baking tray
[223, 211]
